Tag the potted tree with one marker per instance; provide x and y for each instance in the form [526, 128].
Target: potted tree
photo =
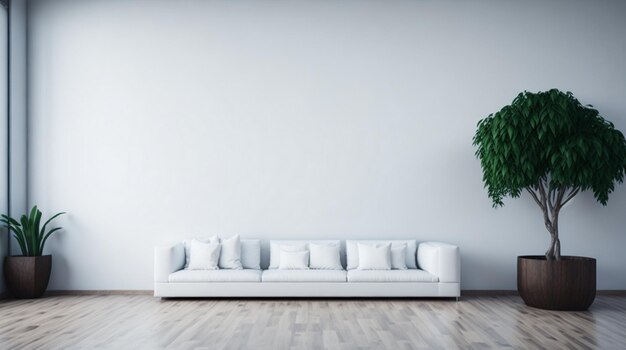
[27, 276]
[552, 147]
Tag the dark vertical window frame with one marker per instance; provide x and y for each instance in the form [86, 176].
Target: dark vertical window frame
[6, 4]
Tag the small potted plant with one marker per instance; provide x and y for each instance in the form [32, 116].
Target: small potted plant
[552, 147]
[27, 276]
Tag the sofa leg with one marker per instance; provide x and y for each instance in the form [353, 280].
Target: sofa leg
[457, 299]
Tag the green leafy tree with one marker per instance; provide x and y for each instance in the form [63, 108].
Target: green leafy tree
[553, 147]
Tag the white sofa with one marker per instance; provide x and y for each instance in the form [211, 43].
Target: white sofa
[433, 271]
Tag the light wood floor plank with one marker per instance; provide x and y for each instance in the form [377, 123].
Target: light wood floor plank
[143, 322]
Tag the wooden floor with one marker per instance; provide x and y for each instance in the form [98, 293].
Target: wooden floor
[143, 322]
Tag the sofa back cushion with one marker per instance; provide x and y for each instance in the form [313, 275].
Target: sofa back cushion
[325, 256]
[251, 254]
[296, 244]
[398, 257]
[352, 251]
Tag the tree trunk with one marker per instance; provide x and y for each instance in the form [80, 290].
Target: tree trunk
[555, 230]
[551, 199]
[550, 252]
[557, 249]
[552, 227]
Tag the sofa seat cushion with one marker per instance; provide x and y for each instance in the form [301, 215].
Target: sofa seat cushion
[304, 276]
[215, 276]
[391, 276]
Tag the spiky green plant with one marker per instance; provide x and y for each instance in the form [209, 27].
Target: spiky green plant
[27, 231]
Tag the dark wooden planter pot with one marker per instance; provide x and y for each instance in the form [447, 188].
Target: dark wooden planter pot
[567, 284]
[27, 276]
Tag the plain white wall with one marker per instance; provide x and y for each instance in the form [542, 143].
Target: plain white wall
[151, 121]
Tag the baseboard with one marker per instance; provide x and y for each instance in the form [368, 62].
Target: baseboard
[479, 292]
[473, 292]
[100, 292]
[612, 292]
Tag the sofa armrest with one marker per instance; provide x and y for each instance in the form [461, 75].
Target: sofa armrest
[440, 259]
[167, 259]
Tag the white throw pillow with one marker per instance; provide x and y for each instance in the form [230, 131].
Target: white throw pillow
[187, 243]
[203, 256]
[352, 251]
[294, 260]
[324, 257]
[275, 249]
[398, 257]
[374, 257]
[230, 255]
